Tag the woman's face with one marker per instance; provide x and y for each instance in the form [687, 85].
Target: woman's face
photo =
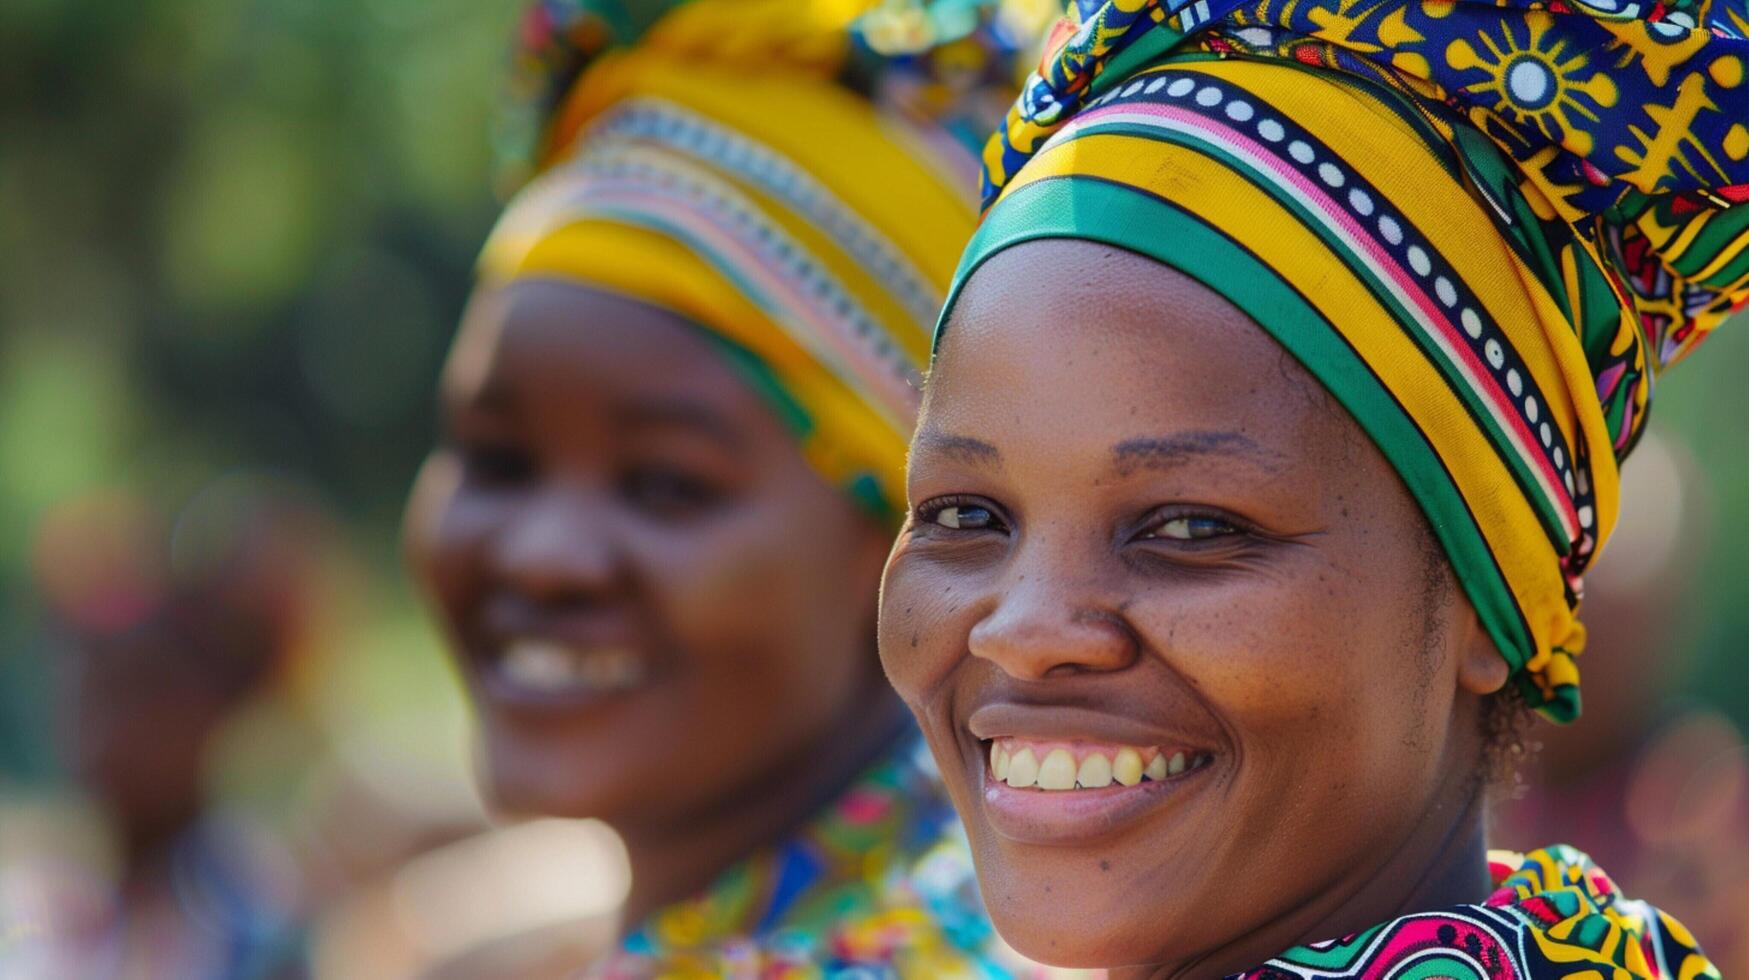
[656, 604]
[1149, 558]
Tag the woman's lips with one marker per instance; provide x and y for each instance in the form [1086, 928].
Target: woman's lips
[1067, 774]
[1081, 791]
[540, 673]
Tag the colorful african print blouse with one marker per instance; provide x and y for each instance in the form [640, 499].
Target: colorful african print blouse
[1553, 915]
[880, 884]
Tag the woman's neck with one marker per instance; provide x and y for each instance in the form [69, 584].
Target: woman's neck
[1442, 862]
[679, 858]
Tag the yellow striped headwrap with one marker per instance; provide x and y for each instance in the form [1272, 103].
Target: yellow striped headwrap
[720, 166]
[1482, 233]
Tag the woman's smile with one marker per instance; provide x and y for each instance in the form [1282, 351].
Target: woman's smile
[537, 672]
[1061, 774]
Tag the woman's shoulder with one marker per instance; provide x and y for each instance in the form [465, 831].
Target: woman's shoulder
[1577, 918]
[1553, 914]
[880, 880]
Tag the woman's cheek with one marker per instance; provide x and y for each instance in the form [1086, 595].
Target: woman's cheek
[448, 531]
[703, 588]
[1266, 652]
[924, 622]
[743, 587]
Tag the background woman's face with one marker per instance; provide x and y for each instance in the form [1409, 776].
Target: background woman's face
[1146, 549]
[655, 602]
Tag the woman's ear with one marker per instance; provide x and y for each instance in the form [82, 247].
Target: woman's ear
[1481, 668]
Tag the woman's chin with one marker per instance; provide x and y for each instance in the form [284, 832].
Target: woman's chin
[552, 782]
[1063, 919]
[1087, 944]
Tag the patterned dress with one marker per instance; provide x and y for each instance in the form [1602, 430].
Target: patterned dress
[879, 885]
[1553, 914]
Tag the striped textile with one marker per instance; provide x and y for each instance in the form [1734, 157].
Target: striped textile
[710, 159]
[1485, 228]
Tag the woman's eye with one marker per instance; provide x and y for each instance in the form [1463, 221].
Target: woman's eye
[962, 517]
[497, 466]
[669, 493]
[1193, 529]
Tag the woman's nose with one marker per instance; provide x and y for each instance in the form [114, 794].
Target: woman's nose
[1045, 625]
[561, 543]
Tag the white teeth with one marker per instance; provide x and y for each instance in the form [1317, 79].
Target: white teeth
[612, 669]
[1126, 768]
[1156, 769]
[1057, 771]
[538, 666]
[546, 667]
[1095, 772]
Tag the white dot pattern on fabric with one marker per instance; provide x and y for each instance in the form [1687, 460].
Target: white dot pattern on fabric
[1419, 261]
[817, 283]
[1132, 88]
[1155, 86]
[1585, 516]
[700, 138]
[1472, 323]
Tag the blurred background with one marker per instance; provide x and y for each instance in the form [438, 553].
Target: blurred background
[235, 237]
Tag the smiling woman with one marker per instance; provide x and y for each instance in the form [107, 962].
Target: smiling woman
[675, 420]
[1181, 583]
[1274, 420]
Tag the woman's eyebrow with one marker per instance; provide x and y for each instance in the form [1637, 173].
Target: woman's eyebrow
[1165, 452]
[963, 449]
[487, 398]
[681, 414]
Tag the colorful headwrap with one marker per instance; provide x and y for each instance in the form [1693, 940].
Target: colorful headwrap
[1485, 227]
[716, 158]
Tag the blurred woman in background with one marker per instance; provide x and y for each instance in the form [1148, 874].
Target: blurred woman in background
[1275, 419]
[170, 629]
[675, 420]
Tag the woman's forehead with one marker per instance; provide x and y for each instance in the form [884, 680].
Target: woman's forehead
[1123, 352]
[536, 338]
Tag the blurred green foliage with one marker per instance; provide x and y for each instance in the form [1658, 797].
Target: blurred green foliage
[1703, 404]
[236, 236]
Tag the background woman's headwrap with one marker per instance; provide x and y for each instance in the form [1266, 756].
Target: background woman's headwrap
[1485, 227]
[756, 168]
